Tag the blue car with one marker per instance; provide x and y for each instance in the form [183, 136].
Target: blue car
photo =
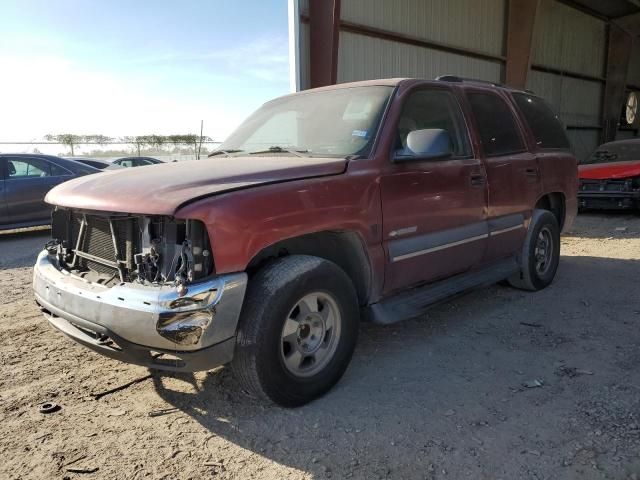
[25, 179]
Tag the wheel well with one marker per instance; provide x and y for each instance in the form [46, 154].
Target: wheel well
[555, 203]
[345, 249]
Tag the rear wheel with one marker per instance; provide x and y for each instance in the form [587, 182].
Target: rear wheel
[297, 331]
[540, 253]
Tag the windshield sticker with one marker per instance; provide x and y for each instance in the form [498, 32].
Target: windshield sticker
[359, 133]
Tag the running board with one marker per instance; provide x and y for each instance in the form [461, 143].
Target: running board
[414, 302]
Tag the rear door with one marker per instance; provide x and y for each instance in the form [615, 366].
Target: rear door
[434, 219]
[27, 182]
[550, 144]
[513, 172]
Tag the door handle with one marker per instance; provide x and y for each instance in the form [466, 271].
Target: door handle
[478, 179]
[531, 172]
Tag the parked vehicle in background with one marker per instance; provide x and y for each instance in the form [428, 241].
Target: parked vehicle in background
[92, 162]
[25, 179]
[610, 178]
[373, 199]
[136, 161]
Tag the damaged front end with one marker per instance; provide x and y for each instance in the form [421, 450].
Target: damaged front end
[133, 282]
[609, 194]
[114, 248]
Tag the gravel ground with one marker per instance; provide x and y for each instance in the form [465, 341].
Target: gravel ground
[438, 397]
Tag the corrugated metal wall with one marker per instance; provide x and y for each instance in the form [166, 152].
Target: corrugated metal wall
[568, 40]
[362, 57]
[477, 25]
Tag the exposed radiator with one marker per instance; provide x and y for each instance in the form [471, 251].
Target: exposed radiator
[96, 249]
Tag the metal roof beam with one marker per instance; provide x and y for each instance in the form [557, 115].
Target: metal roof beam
[584, 9]
[520, 27]
[618, 59]
[324, 35]
[631, 23]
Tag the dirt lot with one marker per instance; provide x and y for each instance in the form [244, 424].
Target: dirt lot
[437, 397]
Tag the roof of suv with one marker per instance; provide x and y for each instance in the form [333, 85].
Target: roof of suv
[392, 82]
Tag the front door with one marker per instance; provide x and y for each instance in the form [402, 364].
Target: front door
[434, 211]
[513, 173]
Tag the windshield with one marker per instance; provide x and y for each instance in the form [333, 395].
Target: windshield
[335, 122]
[615, 152]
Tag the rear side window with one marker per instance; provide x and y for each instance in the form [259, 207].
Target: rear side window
[27, 168]
[57, 171]
[545, 125]
[496, 124]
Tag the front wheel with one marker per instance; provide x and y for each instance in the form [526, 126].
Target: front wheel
[297, 331]
[540, 253]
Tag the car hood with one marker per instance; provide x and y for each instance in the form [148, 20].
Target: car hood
[162, 189]
[603, 171]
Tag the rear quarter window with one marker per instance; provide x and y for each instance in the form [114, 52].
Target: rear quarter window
[545, 125]
[496, 124]
[57, 171]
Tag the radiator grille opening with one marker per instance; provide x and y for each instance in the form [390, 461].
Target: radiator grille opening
[98, 241]
[113, 248]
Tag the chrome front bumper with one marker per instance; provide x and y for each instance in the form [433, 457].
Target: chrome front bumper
[144, 324]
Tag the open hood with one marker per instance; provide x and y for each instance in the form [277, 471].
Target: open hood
[161, 189]
[613, 170]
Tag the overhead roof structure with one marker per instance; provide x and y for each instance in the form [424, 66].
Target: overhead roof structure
[607, 9]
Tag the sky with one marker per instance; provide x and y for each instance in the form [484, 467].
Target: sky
[121, 68]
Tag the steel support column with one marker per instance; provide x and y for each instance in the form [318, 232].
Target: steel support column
[520, 28]
[324, 36]
[618, 58]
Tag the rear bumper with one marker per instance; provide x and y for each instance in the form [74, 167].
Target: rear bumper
[144, 324]
[608, 200]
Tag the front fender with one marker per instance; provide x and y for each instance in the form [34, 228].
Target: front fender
[242, 223]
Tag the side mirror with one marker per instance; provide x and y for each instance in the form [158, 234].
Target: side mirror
[426, 144]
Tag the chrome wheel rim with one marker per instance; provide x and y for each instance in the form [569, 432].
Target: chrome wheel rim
[543, 252]
[310, 334]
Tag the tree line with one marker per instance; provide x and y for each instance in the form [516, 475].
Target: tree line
[140, 141]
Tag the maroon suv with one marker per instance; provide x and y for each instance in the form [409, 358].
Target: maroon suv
[366, 200]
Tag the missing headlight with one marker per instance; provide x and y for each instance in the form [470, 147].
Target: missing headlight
[111, 248]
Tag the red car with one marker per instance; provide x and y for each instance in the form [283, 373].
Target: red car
[610, 178]
[368, 200]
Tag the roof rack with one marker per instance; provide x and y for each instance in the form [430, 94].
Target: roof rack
[456, 79]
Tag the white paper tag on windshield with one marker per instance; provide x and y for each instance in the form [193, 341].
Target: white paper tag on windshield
[359, 133]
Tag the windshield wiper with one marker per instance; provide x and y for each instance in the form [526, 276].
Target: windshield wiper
[224, 152]
[279, 149]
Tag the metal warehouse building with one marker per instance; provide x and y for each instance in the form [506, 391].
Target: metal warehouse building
[583, 56]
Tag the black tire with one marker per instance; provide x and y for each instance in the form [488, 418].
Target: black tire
[531, 277]
[273, 292]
